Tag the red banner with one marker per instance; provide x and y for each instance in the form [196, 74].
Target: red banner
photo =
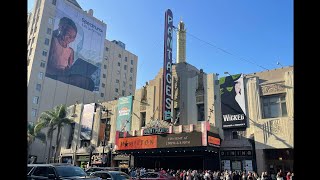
[141, 142]
[213, 141]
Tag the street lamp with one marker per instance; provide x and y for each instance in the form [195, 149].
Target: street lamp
[105, 135]
[227, 73]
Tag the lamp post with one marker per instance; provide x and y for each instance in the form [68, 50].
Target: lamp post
[227, 73]
[105, 136]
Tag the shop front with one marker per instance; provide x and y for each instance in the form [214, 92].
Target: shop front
[236, 160]
[82, 160]
[188, 150]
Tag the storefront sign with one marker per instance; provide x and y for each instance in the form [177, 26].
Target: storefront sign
[180, 140]
[140, 142]
[213, 141]
[121, 157]
[236, 153]
[167, 67]
[83, 158]
[155, 131]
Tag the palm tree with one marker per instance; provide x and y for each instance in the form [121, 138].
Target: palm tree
[54, 119]
[34, 134]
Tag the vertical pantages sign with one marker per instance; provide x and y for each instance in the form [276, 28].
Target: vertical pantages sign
[87, 121]
[167, 67]
[76, 48]
[124, 114]
[233, 102]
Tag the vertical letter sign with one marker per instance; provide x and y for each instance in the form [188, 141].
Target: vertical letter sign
[167, 69]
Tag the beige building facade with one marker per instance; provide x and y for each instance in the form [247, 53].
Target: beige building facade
[118, 66]
[268, 136]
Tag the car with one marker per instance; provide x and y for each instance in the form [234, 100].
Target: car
[57, 172]
[94, 169]
[156, 176]
[111, 175]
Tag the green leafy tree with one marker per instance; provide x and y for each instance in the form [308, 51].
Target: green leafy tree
[33, 134]
[54, 119]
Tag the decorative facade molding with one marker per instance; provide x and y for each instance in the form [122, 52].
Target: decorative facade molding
[272, 89]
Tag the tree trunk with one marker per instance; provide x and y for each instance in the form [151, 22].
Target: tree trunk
[50, 144]
[57, 143]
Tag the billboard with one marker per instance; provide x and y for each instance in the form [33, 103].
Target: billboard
[141, 142]
[213, 139]
[124, 114]
[180, 140]
[233, 102]
[167, 67]
[87, 121]
[76, 49]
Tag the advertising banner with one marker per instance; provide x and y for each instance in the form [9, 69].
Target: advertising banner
[167, 67]
[180, 140]
[233, 102]
[124, 114]
[87, 121]
[213, 139]
[141, 142]
[76, 48]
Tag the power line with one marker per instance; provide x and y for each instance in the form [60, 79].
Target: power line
[225, 51]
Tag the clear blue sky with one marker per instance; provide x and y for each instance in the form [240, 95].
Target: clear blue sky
[257, 31]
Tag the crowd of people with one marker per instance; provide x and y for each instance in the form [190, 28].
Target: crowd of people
[190, 174]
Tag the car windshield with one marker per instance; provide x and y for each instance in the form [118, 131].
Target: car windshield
[121, 176]
[70, 171]
[29, 169]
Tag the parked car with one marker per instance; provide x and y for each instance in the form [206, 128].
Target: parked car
[156, 176]
[57, 172]
[111, 175]
[94, 169]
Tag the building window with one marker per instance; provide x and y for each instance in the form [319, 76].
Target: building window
[130, 78]
[143, 119]
[49, 31]
[104, 75]
[32, 40]
[119, 55]
[35, 99]
[131, 70]
[54, 2]
[235, 135]
[117, 80]
[106, 58]
[118, 63]
[38, 87]
[125, 67]
[40, 75]
[105, 66]
[200, 108]
[107, 49]
[42, 64]
[50, 21]
[130, 86]
[116, 89]
[131, 61]
[30, 51]
[46, 41]
[34, 112]
[44, 53]
[102, 94]
[123, 92]
[103, 85]
[126, 59]
[123, 83]
[274, 106]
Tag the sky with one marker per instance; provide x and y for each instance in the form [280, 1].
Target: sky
[244, 36]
